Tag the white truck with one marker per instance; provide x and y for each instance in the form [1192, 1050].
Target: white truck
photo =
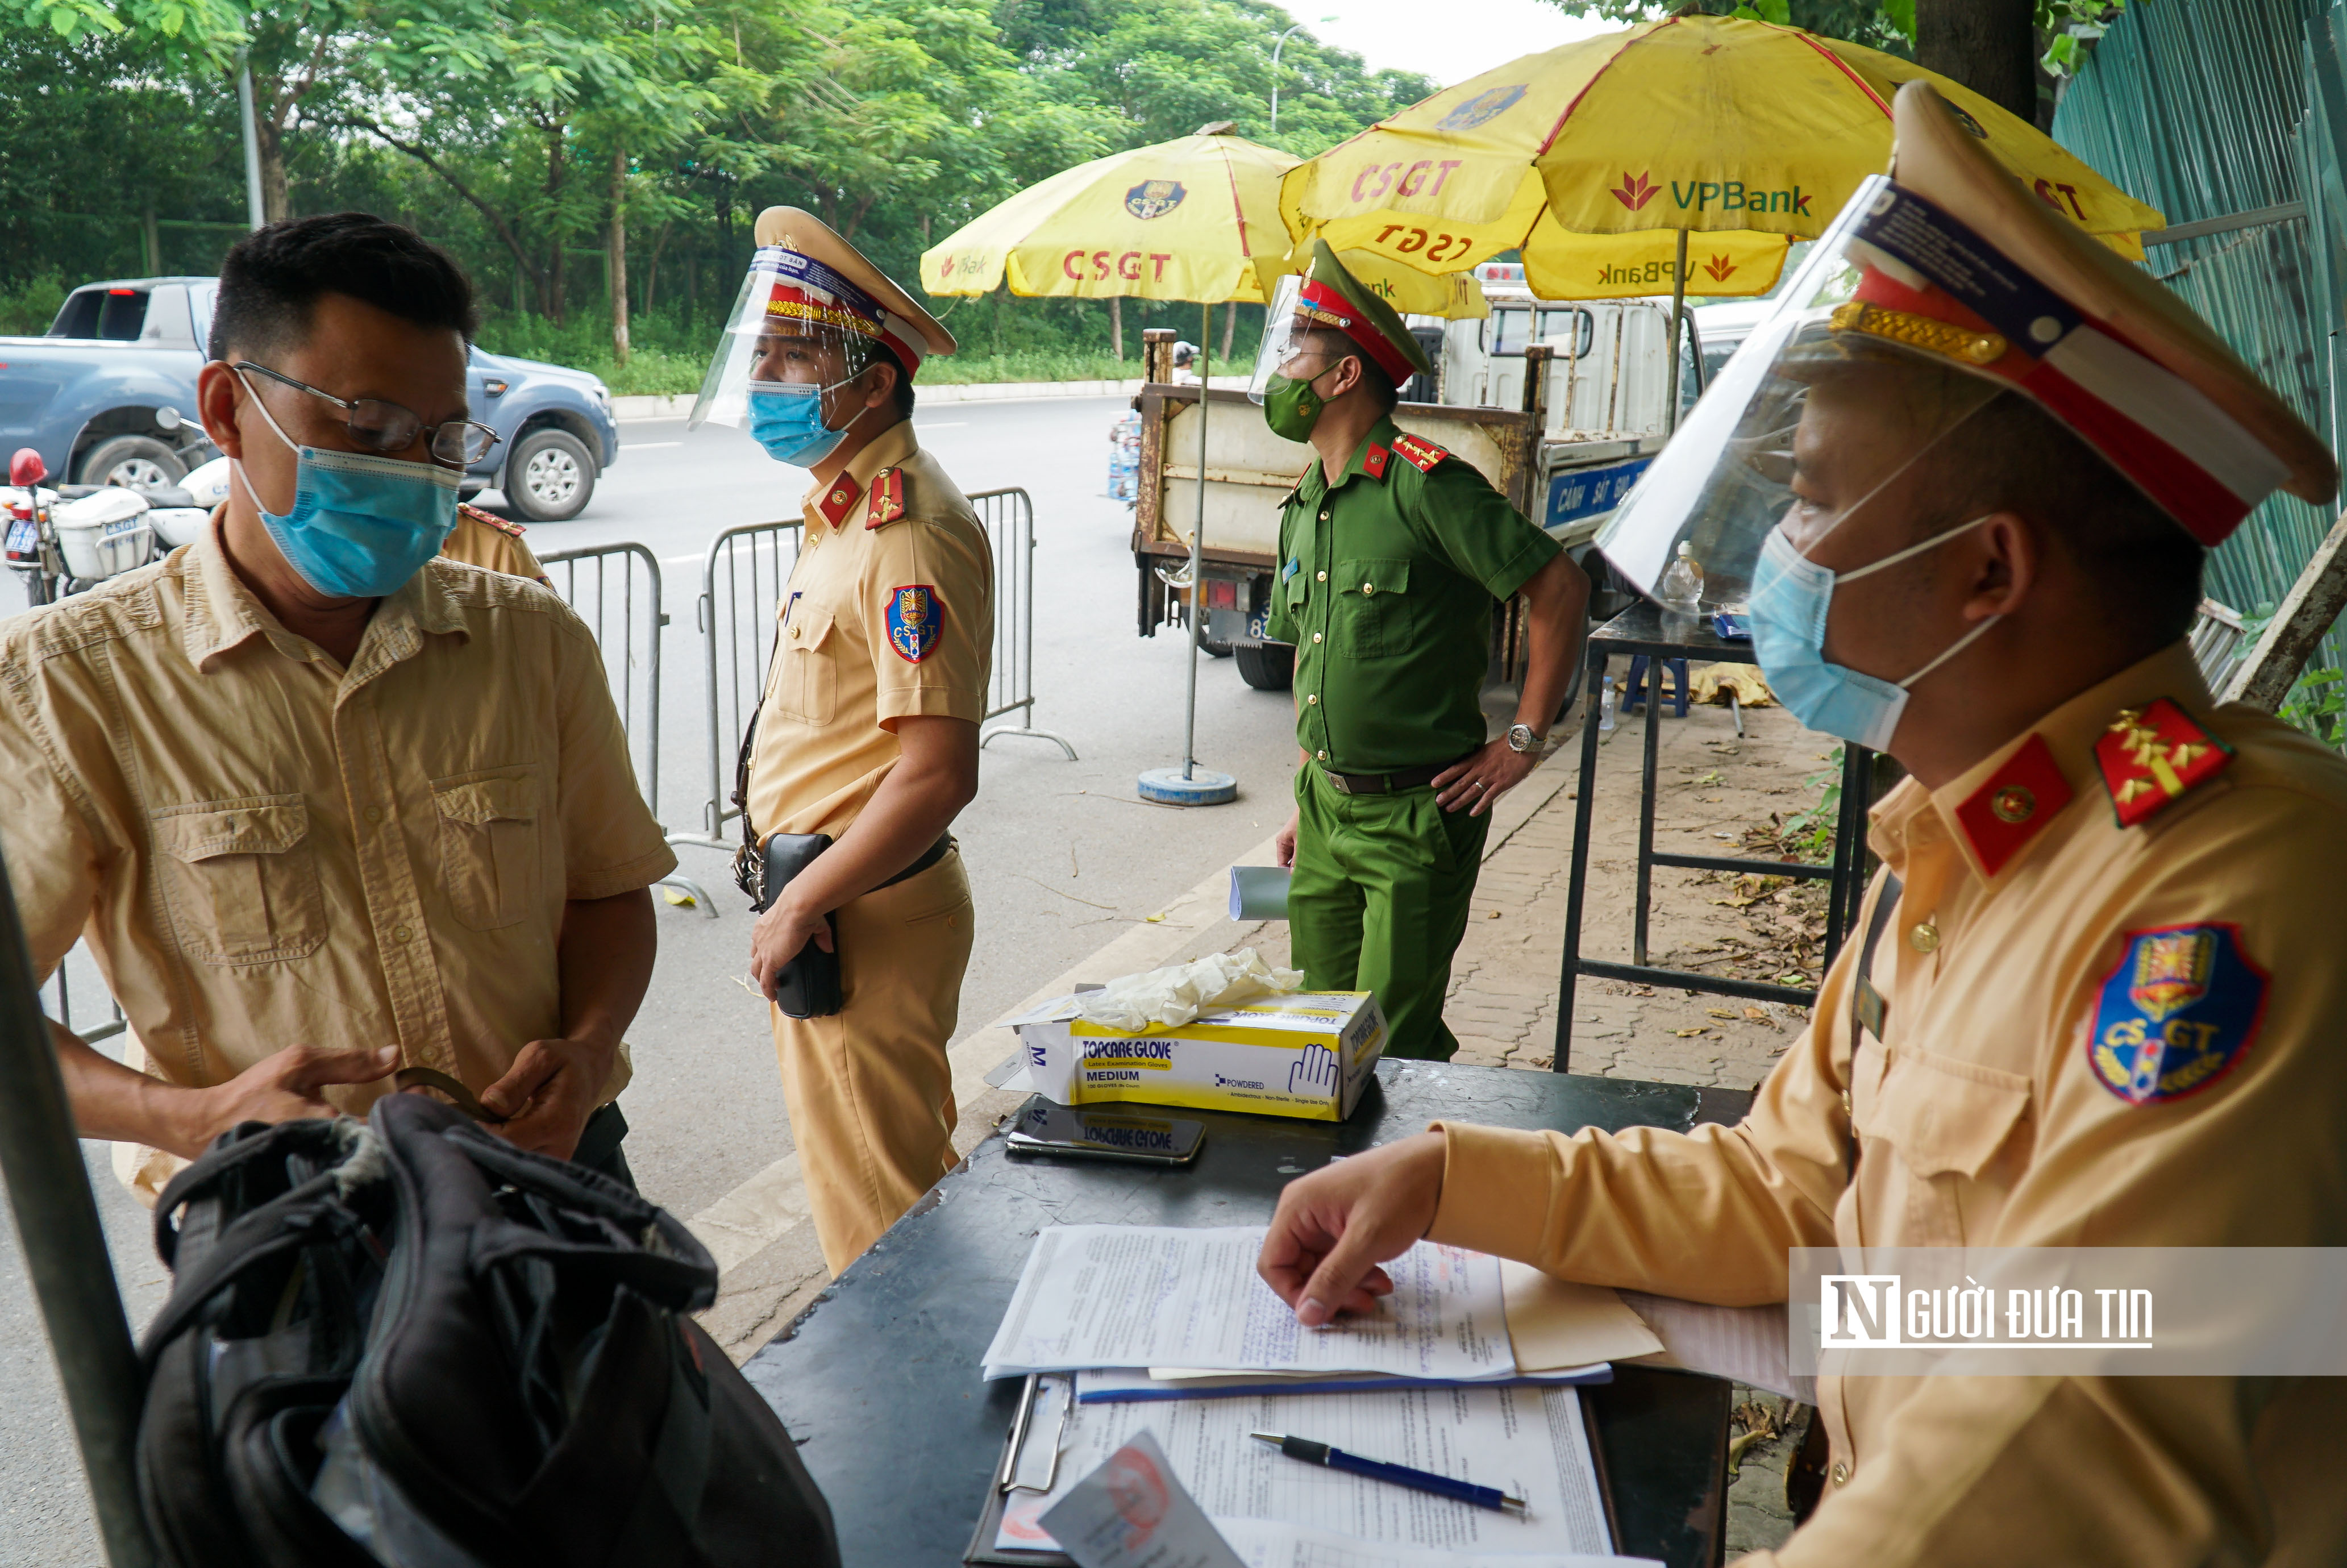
[1564, 445]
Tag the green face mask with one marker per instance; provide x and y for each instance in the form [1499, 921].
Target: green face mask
[1291, 408]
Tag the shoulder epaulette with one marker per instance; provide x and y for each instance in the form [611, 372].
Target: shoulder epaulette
[490, 519]
[1420, 453]
[2154, 755]
[886, 503]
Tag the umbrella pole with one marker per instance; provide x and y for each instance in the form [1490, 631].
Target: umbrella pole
[1198, 547]
[1678, 332]
[1192, 784]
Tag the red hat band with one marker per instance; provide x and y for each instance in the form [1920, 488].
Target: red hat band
[1931, 282]
[1329, 308]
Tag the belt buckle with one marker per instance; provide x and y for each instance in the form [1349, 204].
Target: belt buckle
[1336, 782]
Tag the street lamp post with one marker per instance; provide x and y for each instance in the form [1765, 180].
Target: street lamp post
[1275, 47]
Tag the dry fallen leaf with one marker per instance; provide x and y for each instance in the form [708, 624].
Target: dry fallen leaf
[1760, 1013]
[1686, 1033]
[1718, 1012]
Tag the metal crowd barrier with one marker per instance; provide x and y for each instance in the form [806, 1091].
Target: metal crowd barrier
[741, 584]
[1010, 519]
[113, 1026]
[616, 590]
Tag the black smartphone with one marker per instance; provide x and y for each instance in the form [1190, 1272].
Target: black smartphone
[1103, 1132]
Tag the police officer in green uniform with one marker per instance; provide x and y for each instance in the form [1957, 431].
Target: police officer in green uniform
[1393, 553]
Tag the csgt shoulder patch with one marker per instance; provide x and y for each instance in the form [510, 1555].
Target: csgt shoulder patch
[1419, 453]
[2180, 1009]
[916, 621]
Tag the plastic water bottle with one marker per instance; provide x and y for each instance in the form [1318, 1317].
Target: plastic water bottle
[1682, 596]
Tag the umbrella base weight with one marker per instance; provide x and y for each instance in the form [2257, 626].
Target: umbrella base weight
[1204, 787]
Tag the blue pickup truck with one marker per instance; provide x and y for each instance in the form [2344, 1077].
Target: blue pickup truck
[108, 397]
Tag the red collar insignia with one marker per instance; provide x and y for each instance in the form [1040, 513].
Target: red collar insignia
[1374, 459]
[2152, 755]
[2014, 804]
[887, 499]
[837, 501]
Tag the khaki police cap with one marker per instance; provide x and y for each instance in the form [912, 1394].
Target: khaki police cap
[795, 228]
[2121, 360]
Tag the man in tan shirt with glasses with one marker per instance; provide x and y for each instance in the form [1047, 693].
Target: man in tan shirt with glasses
[322, 805]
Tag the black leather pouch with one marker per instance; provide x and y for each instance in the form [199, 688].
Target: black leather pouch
[808, 986]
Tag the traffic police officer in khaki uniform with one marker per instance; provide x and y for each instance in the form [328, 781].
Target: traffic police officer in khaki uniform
[1393, 554]
[2098, 1000]
[868, 728]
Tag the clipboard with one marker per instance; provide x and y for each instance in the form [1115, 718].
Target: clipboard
[1001, 1481]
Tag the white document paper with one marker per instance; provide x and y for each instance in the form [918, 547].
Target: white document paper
[1746, 1344]
[1142, 1296]
[1261, 1544]
[1529, 1442]
[1555, 1323]
[1132, 1512]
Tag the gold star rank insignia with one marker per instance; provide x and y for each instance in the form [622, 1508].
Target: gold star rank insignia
[2153, 754]
[888, 500]
[1419, 453]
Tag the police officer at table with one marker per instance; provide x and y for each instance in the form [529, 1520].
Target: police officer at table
[1393, 553]
[868, 727]
[1973, 466]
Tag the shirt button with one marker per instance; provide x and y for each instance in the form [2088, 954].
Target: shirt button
[1321, 755]
[1321, 577]
[1312, 701]
[1924, 938]
[1316, 637]
[1369, 588]
[1324, 514]
[401, 932]
[374, 814]
[1840, 1473]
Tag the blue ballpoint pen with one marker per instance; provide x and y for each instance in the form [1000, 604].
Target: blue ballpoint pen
[1310, 1453]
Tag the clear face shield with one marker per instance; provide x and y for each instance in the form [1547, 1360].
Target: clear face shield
[1826, 408]
[798, 335]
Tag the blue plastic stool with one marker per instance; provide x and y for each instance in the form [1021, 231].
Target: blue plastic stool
[1634, 696]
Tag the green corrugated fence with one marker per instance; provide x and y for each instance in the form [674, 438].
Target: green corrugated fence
[2207, 108]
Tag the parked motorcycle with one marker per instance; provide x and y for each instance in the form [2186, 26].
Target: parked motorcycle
[64, 539]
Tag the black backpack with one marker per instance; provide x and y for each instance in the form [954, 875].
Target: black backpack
[409, 1333]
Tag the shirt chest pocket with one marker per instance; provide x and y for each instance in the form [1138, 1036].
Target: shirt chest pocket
[1369, 613]
[805, 681]
[242, 878]
[1952, 1124]
[488, 845]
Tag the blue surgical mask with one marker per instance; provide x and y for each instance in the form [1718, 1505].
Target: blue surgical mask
[1791, 596]
[362, 525]
[786, 417]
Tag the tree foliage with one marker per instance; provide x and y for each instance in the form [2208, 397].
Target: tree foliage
[562, 146]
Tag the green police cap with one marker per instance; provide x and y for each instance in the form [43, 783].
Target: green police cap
[1333, 297]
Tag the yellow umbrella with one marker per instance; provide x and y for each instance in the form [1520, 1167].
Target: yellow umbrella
[1181, 220]
[1742, 133]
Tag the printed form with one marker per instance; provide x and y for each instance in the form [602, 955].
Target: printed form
[1136, 1295]
[1529, 1442]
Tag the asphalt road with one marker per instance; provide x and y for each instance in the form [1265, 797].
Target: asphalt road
[1058, 851]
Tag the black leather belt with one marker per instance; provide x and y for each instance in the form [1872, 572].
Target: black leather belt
[1388, 783]
[929, 856]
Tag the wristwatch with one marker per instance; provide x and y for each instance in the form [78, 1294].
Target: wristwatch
[1522, 739]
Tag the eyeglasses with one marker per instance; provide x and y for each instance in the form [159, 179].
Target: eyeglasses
[380, 426]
